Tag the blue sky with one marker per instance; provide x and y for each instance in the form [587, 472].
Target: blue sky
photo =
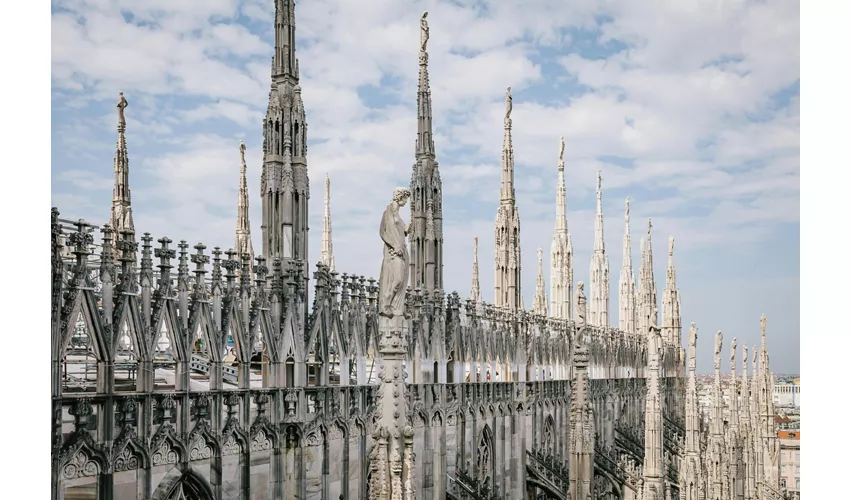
[689, 108]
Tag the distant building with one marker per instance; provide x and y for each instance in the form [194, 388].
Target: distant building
[787, 393]
[789, 461]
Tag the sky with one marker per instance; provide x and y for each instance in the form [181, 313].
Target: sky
[691, 109]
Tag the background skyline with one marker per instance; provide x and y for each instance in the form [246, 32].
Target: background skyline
[698, 123]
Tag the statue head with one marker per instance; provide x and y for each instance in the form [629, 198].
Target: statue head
[401, 195]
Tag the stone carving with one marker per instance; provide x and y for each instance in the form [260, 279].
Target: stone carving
[692, 346]
[201, 449]
[164, 453]
[81, 465]
[718, 346]
[122, 104]
[509, 105]
[126, 460]
[231, 446]
[394, 267]
[561, 154]
[424, 32]
[733, 348]
[260, 442]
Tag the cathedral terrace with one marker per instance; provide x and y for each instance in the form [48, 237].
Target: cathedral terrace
[206, 372]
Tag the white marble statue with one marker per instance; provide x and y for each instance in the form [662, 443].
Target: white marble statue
[394, 268]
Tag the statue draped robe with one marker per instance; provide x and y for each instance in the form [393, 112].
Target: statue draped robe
[394, 268]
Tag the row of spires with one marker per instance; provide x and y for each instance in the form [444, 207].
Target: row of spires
[638, 301]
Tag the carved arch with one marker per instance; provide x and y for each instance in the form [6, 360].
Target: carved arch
[183, 485]
[485, 464]
[81, 457]
[549, 434]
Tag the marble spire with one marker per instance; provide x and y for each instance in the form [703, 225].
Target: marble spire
[327, 229]
[716, 441]
[561, 265]
[627, 301]
[508, 258]
[647, 291]
[599, 286]
[475, 290]
[736, 481]
[691, 475]
[426, 203]
[748, 452]
[671, 322]
[121, 214]
[284, 180]
[767, 414]
[539, 304]
[243, 224]
[653, 459]
[582, 433]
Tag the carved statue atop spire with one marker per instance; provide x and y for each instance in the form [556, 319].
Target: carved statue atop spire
[671, 245]
[509, 105]
[692, 345]
[242, 151]
[734, 348]
[122, 104]
[424, 32]
[763, 325]
[561, 155]
[394, 268]
[718, 346]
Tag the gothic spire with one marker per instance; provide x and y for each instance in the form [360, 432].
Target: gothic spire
[424, 133]
[653, 461]
[508, 261]
[539, 304]
[561, 265]
[647, 291]
[599, 280]
[627, 304]
[284, 62]
[285, 179]
[475, 291]
[327, 235]
[692, 464]
[243, 224]
[508, 195]
[671, 323]
[426, 204]
[121, 217]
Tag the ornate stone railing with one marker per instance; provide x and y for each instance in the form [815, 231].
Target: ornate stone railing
[465, 487]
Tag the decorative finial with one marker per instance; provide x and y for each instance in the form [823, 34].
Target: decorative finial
[598, 183]
[671, 245]
[763, 325]
[475, 246]
[509, 104]
[628, 209]
[649, 226]
[539, 257]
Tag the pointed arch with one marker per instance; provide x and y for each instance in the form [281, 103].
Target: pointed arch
[183, 485]
[485, 462]
[549, 434]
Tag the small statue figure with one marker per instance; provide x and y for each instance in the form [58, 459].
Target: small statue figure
[424, 32]
[763, 325]
[509, 104]
[122, 103]
[734, 348]
[242, 151]
[394, 268]
[561, 153]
